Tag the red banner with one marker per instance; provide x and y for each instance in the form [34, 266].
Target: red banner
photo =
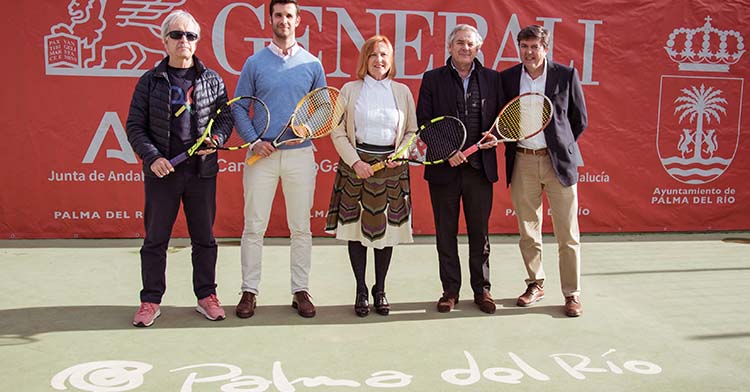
[664, 85]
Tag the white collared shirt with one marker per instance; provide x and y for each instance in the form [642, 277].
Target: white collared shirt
[375, 113]
[529, 85]
[464, 81]
[291, 51]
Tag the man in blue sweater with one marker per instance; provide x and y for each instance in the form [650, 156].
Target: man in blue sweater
[280, 75]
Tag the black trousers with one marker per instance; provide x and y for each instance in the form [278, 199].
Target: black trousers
[473, 189]
[163, 198]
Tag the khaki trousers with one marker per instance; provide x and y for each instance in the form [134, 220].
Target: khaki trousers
[296, 169]
[532, 176]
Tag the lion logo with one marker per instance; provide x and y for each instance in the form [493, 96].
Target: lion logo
[108, 38]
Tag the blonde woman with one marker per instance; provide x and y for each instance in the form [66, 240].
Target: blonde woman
[372, 209]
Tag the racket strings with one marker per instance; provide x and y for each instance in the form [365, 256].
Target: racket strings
[442, 138]
[223, 122]
[316, 115]
[524, 116]
[258, 114]
[255, 110]
[508, 124]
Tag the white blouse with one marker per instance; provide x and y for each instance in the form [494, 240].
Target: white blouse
[375, 113]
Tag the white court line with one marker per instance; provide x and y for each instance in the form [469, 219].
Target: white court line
[416, 311]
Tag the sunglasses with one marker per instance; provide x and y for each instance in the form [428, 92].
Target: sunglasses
[177, 35]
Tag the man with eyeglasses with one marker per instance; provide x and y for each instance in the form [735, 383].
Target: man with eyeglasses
[170, 109]
[547, 163]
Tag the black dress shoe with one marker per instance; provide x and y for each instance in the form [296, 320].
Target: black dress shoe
[382, 307]
[361, 305]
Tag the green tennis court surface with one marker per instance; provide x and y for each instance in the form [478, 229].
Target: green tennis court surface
[661, 313]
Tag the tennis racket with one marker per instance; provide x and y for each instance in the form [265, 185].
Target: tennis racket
[315, 116]
[433, 143]
[219, 127]
[523, 117]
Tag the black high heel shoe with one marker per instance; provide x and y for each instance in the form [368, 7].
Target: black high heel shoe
[382, 307]
[361, 305]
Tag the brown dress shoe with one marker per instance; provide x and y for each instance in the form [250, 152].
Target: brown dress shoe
[302, 303]
[573, 306]
[485, 302]
[533, 294]
[246, 307]
[447, 302]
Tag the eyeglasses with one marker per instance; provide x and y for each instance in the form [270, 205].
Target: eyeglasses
[177, 35]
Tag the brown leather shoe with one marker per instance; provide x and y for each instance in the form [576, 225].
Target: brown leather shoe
[447, 302]
[302, 303]
[485, 302]
[573, 306]
[534, 293]
[246, 307]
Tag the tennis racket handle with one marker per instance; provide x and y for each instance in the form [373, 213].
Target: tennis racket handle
[472, 149]
[254, 158]
[179, 159]
[378, 166]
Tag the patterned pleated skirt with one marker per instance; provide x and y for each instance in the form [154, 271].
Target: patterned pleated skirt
[375, 211]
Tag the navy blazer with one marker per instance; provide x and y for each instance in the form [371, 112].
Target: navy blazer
[437, 97]
[569, 119]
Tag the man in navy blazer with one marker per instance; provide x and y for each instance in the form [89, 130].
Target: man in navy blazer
[547, 163]
[465, 89]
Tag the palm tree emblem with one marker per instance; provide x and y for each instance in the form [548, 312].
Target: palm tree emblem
[699, 104]
[699, 110]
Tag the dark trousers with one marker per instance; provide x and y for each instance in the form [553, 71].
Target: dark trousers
[475, 191]
[163, 198]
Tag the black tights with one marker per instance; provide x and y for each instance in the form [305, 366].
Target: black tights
[358, 258]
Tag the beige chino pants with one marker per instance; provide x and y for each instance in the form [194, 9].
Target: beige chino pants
[532, 176]
[296, 169]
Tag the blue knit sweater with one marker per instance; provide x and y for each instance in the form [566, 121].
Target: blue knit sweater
[280, 83]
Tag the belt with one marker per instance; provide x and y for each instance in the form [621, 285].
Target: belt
[541, 151]
[372, 148]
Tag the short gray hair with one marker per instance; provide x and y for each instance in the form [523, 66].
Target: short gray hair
[178, 15]
[465, 27]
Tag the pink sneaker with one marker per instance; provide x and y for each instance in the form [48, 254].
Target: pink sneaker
[211, 308]
[146, 314]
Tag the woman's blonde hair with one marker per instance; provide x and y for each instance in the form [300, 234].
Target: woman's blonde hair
[367, 49]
